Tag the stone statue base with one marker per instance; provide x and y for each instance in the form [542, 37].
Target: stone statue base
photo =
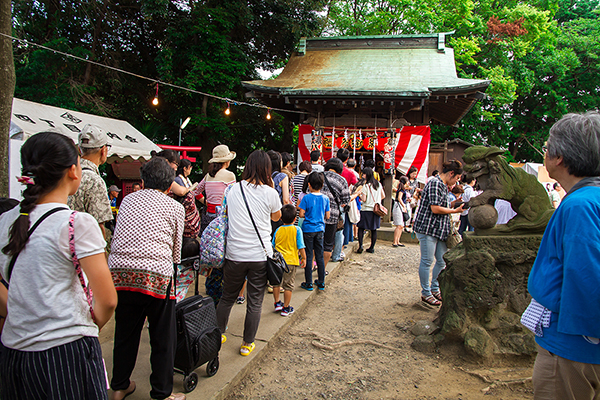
[484, 287]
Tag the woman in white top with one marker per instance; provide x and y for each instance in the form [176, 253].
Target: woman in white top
[245, 257]
[51, 333]
[372, 193]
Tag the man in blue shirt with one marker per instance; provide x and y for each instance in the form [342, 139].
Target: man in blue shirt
[565, 278]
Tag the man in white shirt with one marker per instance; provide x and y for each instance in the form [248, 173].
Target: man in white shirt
[554, 195]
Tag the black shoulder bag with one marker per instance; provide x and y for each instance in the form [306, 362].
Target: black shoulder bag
[340, 223]
[276, 265]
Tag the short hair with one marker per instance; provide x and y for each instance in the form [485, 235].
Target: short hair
[457, 189]
[467, 178]
[314, 155]
[315, 180]
[370, 163]
[576, 138]
[189, 248]
[435, 172]
[286, 158]
[157, 174]
[170, 155]
[403, 180]
[136, 184]
[288, 213]
[556, 185]
[305, 166]
[334, 164]
[89, 151]
[351, 163]
[343, 154]
[275, 160]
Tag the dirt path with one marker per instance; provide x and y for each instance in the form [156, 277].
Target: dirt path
[353, 342]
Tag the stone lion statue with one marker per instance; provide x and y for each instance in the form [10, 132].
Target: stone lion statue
[499, 180]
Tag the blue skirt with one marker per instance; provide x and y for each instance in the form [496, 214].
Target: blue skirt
[368, 220]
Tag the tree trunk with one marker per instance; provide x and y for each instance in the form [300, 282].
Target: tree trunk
[7, 89]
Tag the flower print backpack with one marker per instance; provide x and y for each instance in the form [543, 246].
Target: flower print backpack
[214, 238]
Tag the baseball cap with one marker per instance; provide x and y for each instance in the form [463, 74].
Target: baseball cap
[92, 137]
[114, 188]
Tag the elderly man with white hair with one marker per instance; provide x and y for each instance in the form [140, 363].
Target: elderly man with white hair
[564, 281]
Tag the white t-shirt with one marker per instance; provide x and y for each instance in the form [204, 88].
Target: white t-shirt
[242, 241]
[47, 306]
[373, 196]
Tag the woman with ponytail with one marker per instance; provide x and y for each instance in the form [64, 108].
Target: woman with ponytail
[51, 329]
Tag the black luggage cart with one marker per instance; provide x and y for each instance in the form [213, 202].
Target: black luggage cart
[198, 336]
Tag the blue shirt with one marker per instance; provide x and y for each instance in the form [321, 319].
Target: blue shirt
[315, 205]
[565, 277]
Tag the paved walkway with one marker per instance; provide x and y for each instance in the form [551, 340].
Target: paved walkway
[232, 365]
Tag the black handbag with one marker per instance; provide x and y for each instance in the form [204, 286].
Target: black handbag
[276, 265]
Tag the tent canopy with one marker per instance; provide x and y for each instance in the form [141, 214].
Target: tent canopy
[127, 143]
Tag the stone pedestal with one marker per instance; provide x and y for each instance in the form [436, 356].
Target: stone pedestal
[484, 287]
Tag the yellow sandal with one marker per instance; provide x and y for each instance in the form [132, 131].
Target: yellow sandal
[246, 350]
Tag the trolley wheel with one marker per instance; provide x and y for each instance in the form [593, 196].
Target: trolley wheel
[189, 382]
[212, 367]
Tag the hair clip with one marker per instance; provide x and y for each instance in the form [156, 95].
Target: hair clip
[25, 180]
[25, 214]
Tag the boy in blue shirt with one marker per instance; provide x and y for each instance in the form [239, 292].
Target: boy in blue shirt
[314, 208]
[288, 240]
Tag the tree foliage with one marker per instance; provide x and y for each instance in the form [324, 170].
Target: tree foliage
[541, 56]
[209, 46]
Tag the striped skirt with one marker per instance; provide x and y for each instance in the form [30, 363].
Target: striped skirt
[72, 371]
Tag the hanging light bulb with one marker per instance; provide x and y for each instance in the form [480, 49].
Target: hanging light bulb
[268, 113]
[155, 100]
[228, 110]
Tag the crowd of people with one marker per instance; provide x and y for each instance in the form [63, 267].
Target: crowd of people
[54, 310]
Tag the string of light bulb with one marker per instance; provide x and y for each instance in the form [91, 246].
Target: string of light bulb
[155, 100]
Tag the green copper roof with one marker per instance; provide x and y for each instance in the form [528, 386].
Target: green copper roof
[377, 66]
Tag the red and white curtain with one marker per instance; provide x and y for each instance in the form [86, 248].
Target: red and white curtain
[411, 147]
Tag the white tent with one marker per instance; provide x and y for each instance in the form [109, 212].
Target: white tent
[129, 147]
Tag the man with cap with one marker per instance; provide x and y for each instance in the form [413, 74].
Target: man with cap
[113, 193]
[91, 195]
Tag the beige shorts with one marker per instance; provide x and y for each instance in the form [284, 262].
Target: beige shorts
[289, 278]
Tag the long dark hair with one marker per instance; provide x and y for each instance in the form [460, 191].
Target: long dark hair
[45, 158]
[258, 168]
[370, 177]
[184, 163]
[214, 167]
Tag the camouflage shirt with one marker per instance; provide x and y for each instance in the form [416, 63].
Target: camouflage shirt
[91, 197]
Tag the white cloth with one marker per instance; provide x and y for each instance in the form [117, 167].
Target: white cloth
[242, 242]
[467, 195]
[47, 306]
[505, 211]
[373, 196]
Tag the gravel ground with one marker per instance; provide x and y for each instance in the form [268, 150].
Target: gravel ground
[353, 341]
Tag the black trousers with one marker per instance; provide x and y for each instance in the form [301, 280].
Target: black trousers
[132, 310]
[72, 371]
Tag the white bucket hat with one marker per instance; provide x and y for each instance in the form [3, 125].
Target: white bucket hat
[221, 154]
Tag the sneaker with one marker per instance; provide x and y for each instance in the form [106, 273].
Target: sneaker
[240, 300]
[320, 285]
[278, 306]
[342, 255]
[306, 286]
[286, 311]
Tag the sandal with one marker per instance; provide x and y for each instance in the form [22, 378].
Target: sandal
[121, 394]
[432, 301]
[246, 350]
[437, 295]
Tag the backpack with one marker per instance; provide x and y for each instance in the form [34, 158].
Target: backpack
[214, 238]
